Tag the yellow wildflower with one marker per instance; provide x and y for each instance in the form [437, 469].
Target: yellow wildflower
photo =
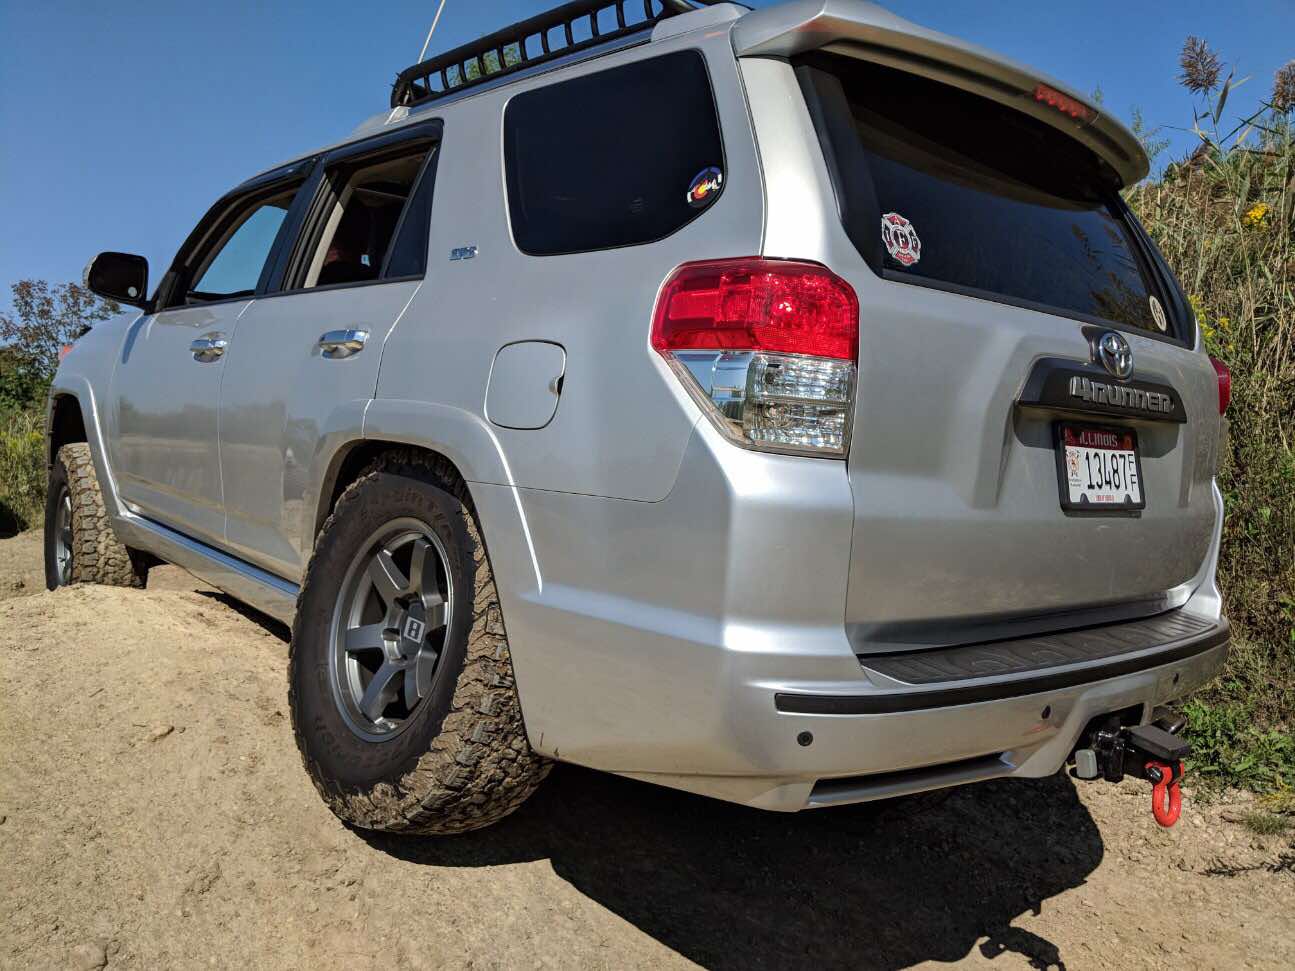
[1198, 309]
[1257, 215]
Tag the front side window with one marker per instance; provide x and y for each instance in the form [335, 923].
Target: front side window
[233, 266]
[362, 216]
[992, 202]
[606, 160]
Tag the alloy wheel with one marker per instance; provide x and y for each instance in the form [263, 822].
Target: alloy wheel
[389, 628]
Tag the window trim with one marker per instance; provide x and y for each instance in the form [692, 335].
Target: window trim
[839, 147]
[507, 157]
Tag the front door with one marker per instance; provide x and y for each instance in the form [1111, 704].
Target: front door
[165, 390]
[304, 363]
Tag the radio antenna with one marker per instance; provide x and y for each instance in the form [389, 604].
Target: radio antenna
[435, 20]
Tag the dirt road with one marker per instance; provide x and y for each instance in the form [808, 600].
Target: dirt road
[154, 814]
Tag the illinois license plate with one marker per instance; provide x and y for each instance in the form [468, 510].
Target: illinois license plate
[1098, 468]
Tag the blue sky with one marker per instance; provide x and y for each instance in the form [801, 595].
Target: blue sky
[122, 122]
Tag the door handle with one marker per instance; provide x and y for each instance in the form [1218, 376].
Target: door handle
[208, 347]
[342, 343]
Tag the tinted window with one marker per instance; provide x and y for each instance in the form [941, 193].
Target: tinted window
[409, 252]
[607, 159]
[1001, 205]
[235, 266]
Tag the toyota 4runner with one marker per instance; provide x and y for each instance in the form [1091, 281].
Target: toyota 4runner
[779, 405]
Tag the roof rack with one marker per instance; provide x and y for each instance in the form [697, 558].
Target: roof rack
[515, 48]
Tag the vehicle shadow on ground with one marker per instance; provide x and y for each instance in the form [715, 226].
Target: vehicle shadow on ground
[271, 625]
[872, 886]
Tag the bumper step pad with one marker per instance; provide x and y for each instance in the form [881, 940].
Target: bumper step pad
[1008, 669]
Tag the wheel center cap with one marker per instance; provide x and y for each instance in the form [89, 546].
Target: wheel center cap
[413, 631]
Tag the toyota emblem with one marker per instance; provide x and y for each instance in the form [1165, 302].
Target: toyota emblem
[1115, 354]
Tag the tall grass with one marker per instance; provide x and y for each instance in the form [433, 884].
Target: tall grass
[1225, 220]
[22, 470]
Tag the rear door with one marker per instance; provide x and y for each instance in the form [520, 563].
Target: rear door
[166, 384]
[304, 363]
[994, 258]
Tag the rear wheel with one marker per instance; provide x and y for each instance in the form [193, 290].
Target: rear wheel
[80, 545]
[401, 685]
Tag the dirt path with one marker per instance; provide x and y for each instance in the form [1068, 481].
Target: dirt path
[154, 814]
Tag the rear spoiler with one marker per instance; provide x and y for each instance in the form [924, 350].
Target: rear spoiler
[859, 29]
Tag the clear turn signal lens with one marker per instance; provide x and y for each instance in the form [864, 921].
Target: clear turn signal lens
[778, 402]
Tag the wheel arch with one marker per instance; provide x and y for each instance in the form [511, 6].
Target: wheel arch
[463, 441]
[350, 461]
[65, 425]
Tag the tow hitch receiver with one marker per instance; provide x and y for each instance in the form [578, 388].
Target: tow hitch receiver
[1143, 751]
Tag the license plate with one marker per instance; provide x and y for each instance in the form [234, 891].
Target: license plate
[1098, 468]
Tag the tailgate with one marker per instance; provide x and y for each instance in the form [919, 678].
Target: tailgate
[993, 256]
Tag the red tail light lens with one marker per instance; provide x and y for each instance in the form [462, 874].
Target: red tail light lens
[758, 305]
[1225, 383]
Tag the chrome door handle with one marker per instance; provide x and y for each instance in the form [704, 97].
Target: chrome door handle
[342, 343]
[208, 348]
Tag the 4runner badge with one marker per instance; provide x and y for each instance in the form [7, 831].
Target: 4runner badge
[705, 187]
[901, 239]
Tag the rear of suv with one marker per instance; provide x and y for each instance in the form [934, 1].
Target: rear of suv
[777, 405]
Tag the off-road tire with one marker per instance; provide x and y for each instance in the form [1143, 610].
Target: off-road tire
[464, 761]
[98, 556]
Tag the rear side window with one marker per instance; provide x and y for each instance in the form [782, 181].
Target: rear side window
[990, 201]
[606, 160]
[362, 211]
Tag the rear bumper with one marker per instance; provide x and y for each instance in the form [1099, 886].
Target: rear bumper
[896, 739]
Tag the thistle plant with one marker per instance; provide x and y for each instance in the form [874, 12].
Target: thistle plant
[1201, 66]
[1283, 96]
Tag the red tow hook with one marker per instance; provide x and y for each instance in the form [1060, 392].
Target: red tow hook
[1166, 794]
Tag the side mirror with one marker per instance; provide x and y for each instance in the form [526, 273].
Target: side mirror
[119, 276]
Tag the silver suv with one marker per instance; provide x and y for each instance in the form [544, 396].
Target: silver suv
[779, 405]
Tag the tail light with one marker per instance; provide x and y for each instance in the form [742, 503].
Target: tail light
[767, 348]
[1225, 383]
[1050, 96]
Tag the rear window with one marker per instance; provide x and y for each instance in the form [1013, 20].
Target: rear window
[606, 160]
[989, 201]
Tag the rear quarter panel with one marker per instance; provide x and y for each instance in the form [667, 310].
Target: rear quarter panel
[622, 423]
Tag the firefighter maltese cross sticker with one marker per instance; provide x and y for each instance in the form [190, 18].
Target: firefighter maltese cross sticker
[1158, 315]
[705, 187]
[901, 239]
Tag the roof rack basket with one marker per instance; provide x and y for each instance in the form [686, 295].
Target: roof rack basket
[528, 43]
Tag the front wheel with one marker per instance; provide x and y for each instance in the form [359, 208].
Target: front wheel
[80, 545]
[400, 678]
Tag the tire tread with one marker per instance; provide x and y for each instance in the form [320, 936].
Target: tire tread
[98, 556]
[480, 766]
